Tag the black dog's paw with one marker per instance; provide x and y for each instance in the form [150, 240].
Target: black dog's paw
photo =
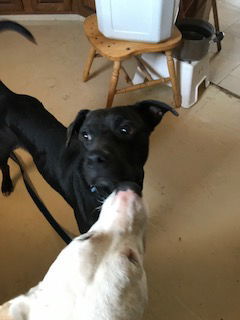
[7, 188]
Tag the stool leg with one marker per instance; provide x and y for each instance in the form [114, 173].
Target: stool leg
[88, 64]
[173, 78]
[216, 21]
[113, 83]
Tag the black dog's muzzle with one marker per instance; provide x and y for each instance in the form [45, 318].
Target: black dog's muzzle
[126, 185]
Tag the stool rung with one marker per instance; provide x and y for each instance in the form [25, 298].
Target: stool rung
[150, 83]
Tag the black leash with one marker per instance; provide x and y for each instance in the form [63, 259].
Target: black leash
[56, 226]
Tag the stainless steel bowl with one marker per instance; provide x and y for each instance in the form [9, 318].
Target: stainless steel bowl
[196, 37]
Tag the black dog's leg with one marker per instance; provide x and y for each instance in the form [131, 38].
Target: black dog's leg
[7, 186]
[8, 142]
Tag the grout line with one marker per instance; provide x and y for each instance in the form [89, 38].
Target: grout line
[227, 75]
[227, 30]
[211, 58]
[219, 82]
[228, 92]
[234, 69]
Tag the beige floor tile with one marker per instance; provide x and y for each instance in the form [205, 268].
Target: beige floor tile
[234, 29]
[227, 13]
[231, 83]
[236, 72]
[234, 3]
[191, 183]
[227, 60]
[221, 67]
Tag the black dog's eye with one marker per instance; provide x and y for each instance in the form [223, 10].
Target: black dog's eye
[126, 130]
[86, 135]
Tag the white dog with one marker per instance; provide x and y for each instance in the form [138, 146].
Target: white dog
[99, 275]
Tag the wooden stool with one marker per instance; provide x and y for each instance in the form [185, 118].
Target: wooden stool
[119, 50]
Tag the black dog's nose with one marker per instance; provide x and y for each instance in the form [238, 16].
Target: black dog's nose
[97, 157]
[123, 186]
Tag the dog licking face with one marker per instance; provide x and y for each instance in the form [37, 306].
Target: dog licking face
[100, 274]
[85, 162]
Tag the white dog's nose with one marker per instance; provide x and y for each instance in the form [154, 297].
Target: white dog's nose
[122, 209]
[126, 197]
[127, 204]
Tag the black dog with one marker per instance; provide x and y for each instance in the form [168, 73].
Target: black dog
[85, 162]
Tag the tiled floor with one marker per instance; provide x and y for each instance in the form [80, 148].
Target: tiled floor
[225, 67]
[192, 181]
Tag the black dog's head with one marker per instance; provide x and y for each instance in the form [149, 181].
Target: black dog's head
[116, 142]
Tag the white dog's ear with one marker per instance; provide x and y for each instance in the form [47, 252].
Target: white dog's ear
[75, 126]
[152, 111]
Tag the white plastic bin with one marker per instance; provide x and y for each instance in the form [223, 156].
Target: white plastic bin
[191, 75]
[136, 20]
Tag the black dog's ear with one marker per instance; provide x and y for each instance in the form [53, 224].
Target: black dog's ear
[75, 125]
[152, 111]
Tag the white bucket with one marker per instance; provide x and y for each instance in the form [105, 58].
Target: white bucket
[137, 20]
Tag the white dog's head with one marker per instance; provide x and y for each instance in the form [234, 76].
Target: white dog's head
[100, 274]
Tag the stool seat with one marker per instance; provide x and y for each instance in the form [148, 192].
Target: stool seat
[119, 49]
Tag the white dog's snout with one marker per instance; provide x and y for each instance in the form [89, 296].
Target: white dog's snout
[127, 203]
[121, 210]
[126, 197]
